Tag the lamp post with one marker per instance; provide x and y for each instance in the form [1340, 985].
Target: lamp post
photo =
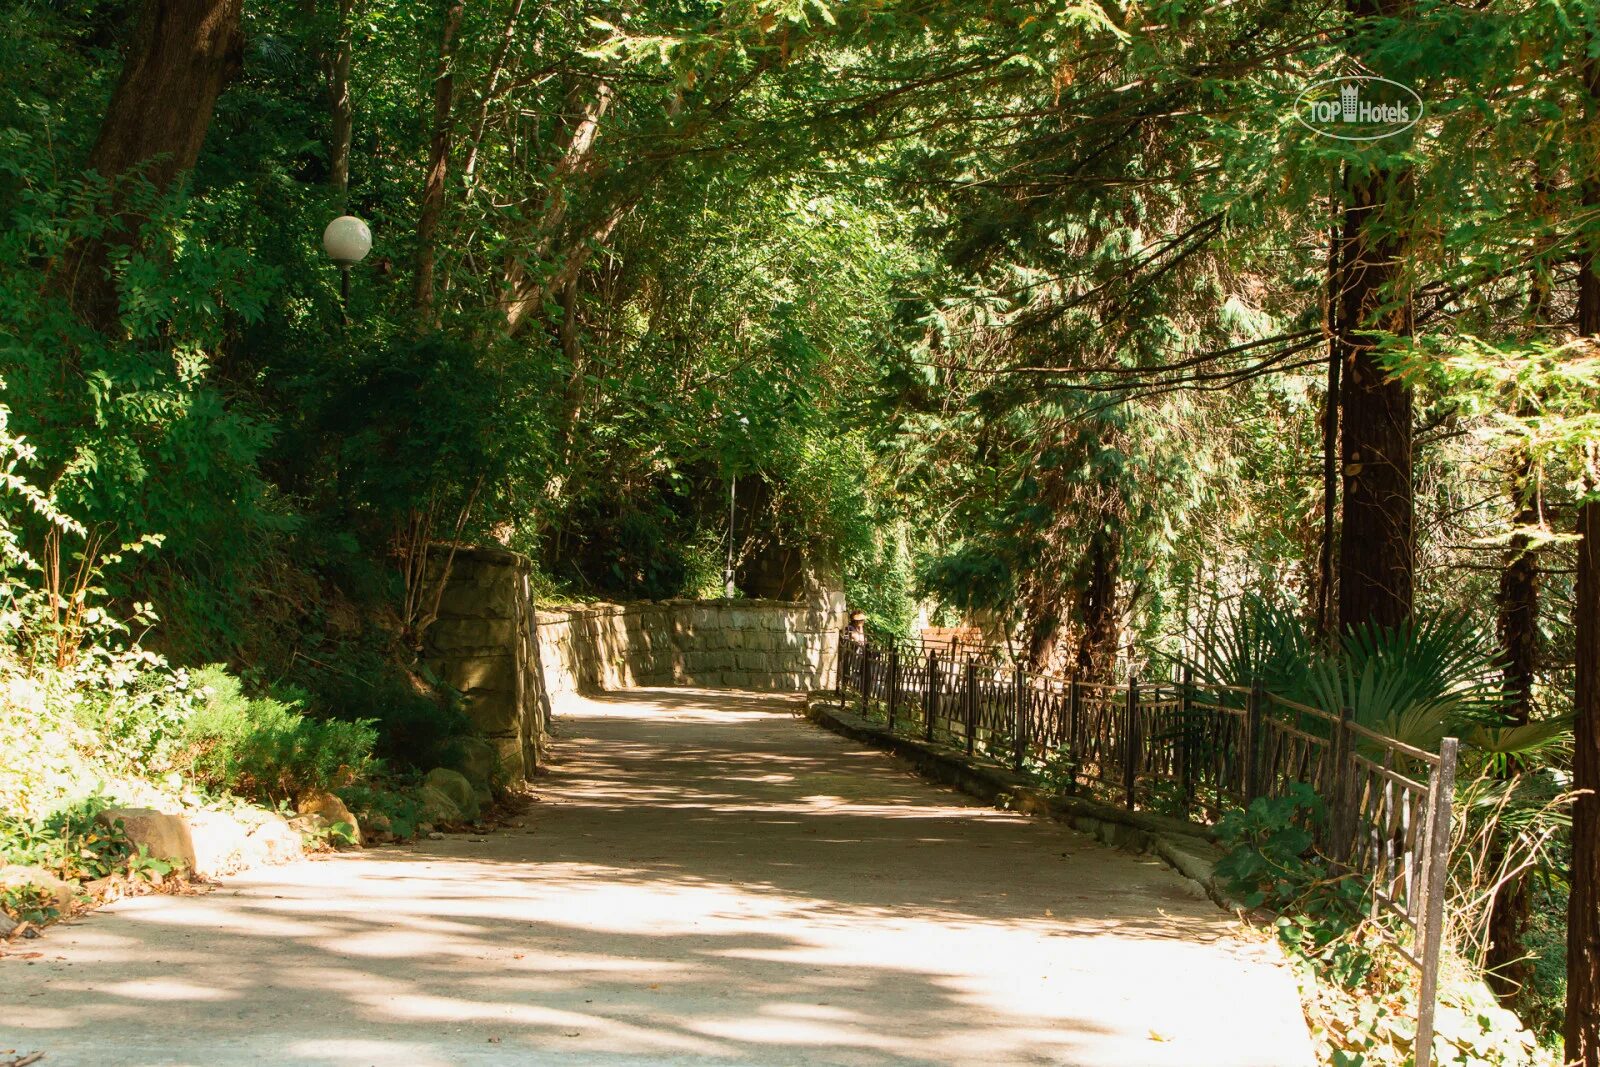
[347, 241]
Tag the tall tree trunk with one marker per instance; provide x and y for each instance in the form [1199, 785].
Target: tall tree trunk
[1583, 907]
[182, 55]
[1097, 604]
[1518, 624]
[526, 285]
[571, 338]
[1376, 542]
[1327, 575]
[1042, 624]
[433, 188]
[1519, 643]
[336, 69]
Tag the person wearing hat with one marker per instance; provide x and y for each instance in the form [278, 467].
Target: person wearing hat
[857, 629]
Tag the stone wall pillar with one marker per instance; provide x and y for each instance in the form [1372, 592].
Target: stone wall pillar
[483, 644]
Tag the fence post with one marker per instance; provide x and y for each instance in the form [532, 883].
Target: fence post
[1019, 706]
[933, 694]
[866, 678]
[972, 706]
[1441, 795]
[1252, 742]
[839, 669]
[1342, 806]
[1073, 749]
[1130, 743]
[1185, 778]
[894, 684]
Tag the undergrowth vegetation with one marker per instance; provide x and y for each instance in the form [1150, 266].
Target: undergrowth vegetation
[94, 721]
[1437, 675]
[266, 748]
[1359, 990]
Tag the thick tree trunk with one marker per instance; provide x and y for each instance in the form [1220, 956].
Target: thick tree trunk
[182, 55]
[1375, 546]
[1376, 537]
[433, 188]
[1327, 574]
[1042, 624]
[1505, 961]
[1518, 603]
[1583, 908]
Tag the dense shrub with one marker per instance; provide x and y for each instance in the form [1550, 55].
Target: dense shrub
[417, 727]
[384, 807]
[266, 748]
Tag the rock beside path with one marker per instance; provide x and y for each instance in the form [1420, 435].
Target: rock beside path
[208, 843]
[453, 785]
[62, 894]
[329, 811]
[480, 765]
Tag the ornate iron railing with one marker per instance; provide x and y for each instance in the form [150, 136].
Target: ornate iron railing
[1195, 750]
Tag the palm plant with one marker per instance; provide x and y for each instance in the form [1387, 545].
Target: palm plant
[1418, 682]
[1249, 640]
[1429, 678]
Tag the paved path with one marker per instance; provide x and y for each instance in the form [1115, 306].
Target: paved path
[706, 880]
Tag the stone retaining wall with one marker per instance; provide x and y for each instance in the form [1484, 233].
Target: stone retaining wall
[740, 644]
[507, 659]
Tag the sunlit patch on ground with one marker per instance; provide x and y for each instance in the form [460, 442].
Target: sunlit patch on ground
[705, 880]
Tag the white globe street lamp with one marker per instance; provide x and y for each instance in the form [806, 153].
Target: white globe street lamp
[347, 240]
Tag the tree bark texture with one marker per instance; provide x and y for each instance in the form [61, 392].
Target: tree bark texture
[1582, 1031]
[1097, 605]
[433, 187]
[1583, 908]
[183, 53]
[1518, 623]
[1376, 536]
[341, 112]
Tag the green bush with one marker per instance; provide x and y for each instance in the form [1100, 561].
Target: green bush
[28, 904]
[1271, 863]
[267, 749]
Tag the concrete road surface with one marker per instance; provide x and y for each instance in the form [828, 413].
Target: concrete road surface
[705, 880]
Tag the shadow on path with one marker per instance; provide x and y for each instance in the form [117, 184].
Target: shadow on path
[705, 880]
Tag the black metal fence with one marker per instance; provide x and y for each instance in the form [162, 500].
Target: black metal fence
[1195, 750]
